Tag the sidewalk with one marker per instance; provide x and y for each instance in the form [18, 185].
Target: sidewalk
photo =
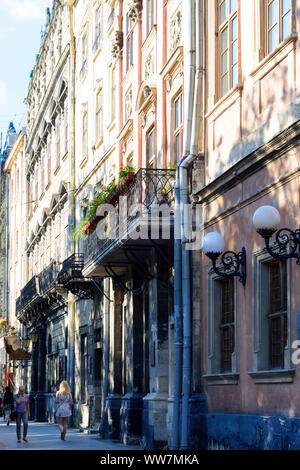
[44, 436]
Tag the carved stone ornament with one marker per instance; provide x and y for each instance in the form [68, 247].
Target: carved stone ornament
[117, 44]
[175, 31]
[134, 9]
[144, 120]
[128, 104]
[147, 92]
[149, 66]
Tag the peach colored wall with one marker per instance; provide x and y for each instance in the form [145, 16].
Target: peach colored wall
[235, 223]
[262, 104]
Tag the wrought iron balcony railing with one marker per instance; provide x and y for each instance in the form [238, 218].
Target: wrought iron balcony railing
[71, 269]
[47, 278]
[151, 189]
[30, 291]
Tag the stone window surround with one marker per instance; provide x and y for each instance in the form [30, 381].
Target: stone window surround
[259, 375]
[211, 377]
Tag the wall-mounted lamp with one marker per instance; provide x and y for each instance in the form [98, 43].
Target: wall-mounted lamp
[34, 336]
[26, 342]
[266, 220]
[234, 264]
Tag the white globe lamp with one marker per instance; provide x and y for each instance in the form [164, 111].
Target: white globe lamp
[266, 220]
[213, 244]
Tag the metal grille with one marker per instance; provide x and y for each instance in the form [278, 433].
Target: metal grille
[277, 312]
[150, 188]
[227, 324]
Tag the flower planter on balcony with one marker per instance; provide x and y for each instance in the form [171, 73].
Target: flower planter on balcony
[127, 182]
[90, 226]
[113, 197]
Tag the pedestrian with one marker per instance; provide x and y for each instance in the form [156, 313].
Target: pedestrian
[65, 401]
[23, 413]
[8, 404]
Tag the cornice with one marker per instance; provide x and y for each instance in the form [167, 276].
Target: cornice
[48, 95]
[249, 165]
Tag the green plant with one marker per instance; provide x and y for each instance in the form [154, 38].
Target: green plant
[124, 171]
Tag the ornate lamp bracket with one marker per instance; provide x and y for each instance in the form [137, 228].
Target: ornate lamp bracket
[287, 243]
[233, 264]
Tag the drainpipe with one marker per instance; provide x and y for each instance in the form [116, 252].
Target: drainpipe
[72, 215]
[177, 321]
[193, 106]
[6, 294]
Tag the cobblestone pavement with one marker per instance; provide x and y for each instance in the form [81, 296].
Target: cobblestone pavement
[44, 436]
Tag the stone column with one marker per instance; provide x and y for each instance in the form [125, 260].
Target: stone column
[113, 402]
[40, 398]
[132, 400]
[34, 379]
[156, 402]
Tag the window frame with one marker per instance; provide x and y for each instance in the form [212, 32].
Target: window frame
[220, 28]
[99, 116]
[85, 135]
[279, 22]
[129, 42]
[214, 374]
[150, 16]
[261, 371]
[177, 131]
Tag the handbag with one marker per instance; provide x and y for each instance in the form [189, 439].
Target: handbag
[13, 415]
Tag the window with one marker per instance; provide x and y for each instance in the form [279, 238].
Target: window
[113, 94]
[43, 172]
[99, 115]
[227, 324]
[150, 156]
[84, 136]
[277, 313]
[49, 159]
[83, 56]
[178, 128]
[279, 14]
[57, 143]
[271, 320]
[228, 45]
[150, 148]
[150, 15]
[129, 42]
[221, 330]
[97, 31]
[66, 128]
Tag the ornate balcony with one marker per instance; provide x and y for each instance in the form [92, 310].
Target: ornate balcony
[39, 297]
[71, 278]
[146, 207]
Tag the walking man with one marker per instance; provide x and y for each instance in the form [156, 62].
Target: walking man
[23, 413]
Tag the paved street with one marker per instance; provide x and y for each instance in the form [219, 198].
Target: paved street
[43, 436]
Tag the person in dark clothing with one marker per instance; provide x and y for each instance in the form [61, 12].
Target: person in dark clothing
[8, 404]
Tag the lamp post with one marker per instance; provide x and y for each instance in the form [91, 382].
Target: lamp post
[233, 264]
[266, 220]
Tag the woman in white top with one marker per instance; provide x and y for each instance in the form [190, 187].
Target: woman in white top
[64, 401]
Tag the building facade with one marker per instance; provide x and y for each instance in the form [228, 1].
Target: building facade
[249, 377]
[139, 111]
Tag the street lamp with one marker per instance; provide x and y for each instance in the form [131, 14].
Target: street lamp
[34, 336]
[234, 264]
[266, 220]
[26, 342]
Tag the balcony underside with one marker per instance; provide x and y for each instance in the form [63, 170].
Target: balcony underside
[114, 256]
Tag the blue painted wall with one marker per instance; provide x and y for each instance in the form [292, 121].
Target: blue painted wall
[244, 432]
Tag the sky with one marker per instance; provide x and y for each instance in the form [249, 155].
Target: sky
[21, 22]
